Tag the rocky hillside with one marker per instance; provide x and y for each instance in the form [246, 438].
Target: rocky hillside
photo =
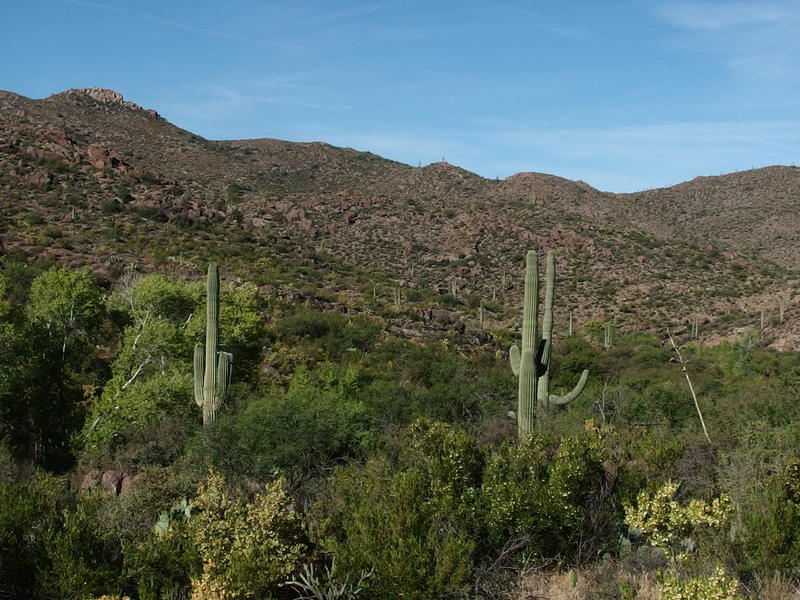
[87, 177]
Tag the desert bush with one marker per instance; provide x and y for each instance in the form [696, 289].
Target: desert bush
[538, 495]
[300, 432]
[411, 381]
[115, 417]
[676, 528]
[715, 586]
[422, 520]
[406, 523]
[246, 549]
[84, 558]
[130, 516]
[162, 563]
[769, 537]
[334, 332]
[30, 510]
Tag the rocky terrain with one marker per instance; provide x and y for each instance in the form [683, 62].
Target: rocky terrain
[87, 177]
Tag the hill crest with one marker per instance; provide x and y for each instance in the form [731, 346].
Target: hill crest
[108, 179]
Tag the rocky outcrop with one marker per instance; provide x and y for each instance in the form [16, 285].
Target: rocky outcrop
[112, 482]
[103, 158]
[107, 96]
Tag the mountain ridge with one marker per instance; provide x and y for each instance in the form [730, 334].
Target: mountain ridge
[644, 259]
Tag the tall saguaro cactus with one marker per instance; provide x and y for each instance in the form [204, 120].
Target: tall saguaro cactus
[544, 395]
[212, 369]
[526, 365]
[532, 364]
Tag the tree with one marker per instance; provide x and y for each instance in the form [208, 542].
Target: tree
[68, 305]
[150, 373]
[45, 352]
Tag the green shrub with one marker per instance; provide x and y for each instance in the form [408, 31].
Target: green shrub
[542, 495]
[716, 586]
[28, 515]
[431, 381]
[246, 549]
[299, 432]
[420, 522]
[769, 539]
[117, 416]
[33, 219]
[84, 558]
[382, 525]
[52, 231]
[334, 332]
[408, 523]
[161, 564]
[671, 526]
[110, 206]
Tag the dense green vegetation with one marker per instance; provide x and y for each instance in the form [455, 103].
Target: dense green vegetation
[358, 464]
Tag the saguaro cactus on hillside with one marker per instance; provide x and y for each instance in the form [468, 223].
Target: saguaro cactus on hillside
[526, 364]
[544, 395]
[212, 369]
[531, 364]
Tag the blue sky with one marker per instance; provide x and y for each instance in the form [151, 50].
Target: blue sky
[625, 95]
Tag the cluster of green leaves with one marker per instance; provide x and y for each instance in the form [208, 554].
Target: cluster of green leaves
[47, 346]
[299, 431]
[674, 528]
[420, 521]
[247, 549]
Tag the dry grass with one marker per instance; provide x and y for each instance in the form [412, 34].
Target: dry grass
[548, 585]
[774, 587]
[554, 585]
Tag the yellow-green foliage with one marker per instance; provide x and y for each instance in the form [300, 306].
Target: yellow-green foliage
[666, 523]
[669, 525]
[531, 487]
[716, 586]
[67, 303]
[241, 319]
[247, 550]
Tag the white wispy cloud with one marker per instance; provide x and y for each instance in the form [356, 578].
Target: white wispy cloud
[630, 157]
[269, 43]
[757, 40]
[354, 13]
[213, 33]
[245, 109]
[632, 141]
[722, 15]
[534, 20]
[309, 98]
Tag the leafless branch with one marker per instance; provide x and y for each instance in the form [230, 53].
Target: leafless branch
[691, 387]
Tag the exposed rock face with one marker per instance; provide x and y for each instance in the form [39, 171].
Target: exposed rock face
[102, 95]
[39, 178]
[103, 158]
[108, 96]
[111, 481]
